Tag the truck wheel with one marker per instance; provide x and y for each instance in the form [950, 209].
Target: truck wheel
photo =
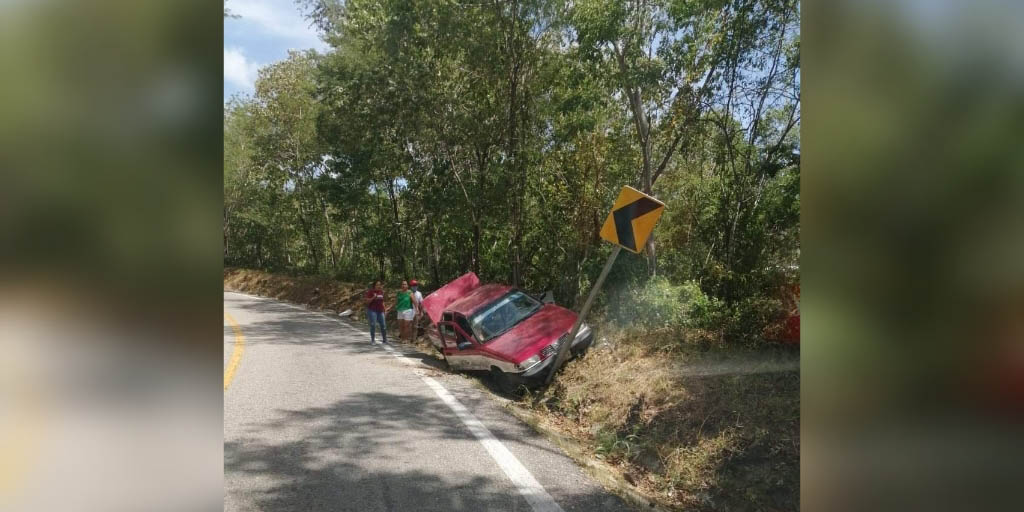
[582, 348]
[503, 381]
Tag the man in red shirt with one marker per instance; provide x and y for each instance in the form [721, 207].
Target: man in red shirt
[375, 311]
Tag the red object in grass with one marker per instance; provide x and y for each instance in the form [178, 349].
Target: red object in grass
[789, 331]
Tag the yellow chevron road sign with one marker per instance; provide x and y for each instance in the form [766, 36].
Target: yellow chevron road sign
[632, 219]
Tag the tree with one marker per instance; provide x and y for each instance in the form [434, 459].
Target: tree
[441, 137]
[288, 148]
[664, 58]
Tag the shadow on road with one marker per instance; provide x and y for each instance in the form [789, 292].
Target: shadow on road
[287, 325]
[336, 463]
[291, 326]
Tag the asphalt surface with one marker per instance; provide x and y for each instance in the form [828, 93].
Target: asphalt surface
[318, 418]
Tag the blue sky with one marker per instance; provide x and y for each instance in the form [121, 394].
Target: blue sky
[265, 32]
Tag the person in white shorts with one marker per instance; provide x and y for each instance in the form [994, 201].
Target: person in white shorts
[406, 312]
[417, 302]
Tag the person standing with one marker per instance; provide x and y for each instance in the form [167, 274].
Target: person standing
[406, 312]
[417, 302]
[375, 312]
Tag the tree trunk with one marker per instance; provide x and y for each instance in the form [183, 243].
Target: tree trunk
[476, 248]
[226, 229]
[643, 132]
[514, 49]
[309, 236]
[397, 240]
[330, 235]
[513, 149]
[481, 163]
[645, 129]
[435, 256]
[341, 245]
[652, 259]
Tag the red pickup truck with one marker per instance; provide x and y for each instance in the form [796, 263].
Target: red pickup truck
[499, 329]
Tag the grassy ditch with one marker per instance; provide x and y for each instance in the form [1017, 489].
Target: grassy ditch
[714, 429]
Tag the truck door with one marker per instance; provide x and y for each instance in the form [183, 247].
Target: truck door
[461, 349]
[447, 332]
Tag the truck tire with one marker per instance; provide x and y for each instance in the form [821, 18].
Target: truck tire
[582, 348]
[504, 383]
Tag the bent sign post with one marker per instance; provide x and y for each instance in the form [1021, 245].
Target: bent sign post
[628, 226]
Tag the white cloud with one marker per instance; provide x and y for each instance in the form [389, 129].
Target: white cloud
[239, 70]
[281, 18]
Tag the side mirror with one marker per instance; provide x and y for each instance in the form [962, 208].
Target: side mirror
[548, 297]
[464, 344]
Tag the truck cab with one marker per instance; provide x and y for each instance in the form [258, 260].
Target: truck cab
[499, 329]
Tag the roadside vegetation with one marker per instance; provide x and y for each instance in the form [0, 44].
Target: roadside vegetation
[701, 430]
[689, 423]
[439, 137]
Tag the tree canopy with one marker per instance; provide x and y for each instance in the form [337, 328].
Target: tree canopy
[437, 137]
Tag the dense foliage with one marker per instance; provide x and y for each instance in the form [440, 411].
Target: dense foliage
[441, 136]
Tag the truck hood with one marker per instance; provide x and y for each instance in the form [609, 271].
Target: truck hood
[536, 332]
[435, 303]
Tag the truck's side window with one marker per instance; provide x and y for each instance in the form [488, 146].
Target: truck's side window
[446, 329]
[464, 325]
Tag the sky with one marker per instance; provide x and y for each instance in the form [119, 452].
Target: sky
[265, 32]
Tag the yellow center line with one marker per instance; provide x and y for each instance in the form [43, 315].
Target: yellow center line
[236, 351]
[18, 441]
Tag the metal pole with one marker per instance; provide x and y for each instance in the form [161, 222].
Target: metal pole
[563, 349]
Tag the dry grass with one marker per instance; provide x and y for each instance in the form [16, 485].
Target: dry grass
[705, 430]
[695, 424]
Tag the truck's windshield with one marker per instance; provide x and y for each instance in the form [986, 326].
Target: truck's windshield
[503, 314]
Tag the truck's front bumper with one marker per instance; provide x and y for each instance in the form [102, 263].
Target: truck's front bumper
[540, 370]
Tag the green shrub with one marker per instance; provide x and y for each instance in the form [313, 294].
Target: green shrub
[657, 303]
[612, 445]
[750, 317]
[742, 322]
[705, 312]
[651, 305]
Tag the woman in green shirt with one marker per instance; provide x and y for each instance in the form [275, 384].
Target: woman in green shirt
[406, 312]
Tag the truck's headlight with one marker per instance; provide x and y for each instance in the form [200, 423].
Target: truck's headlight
[529, 362]
[583, 332]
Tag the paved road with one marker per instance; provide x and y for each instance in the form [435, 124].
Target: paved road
[317, 418]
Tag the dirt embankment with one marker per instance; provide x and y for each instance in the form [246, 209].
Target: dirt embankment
[318, 292]
[689, 429]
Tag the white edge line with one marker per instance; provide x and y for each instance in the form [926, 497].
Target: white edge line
[528, 486]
